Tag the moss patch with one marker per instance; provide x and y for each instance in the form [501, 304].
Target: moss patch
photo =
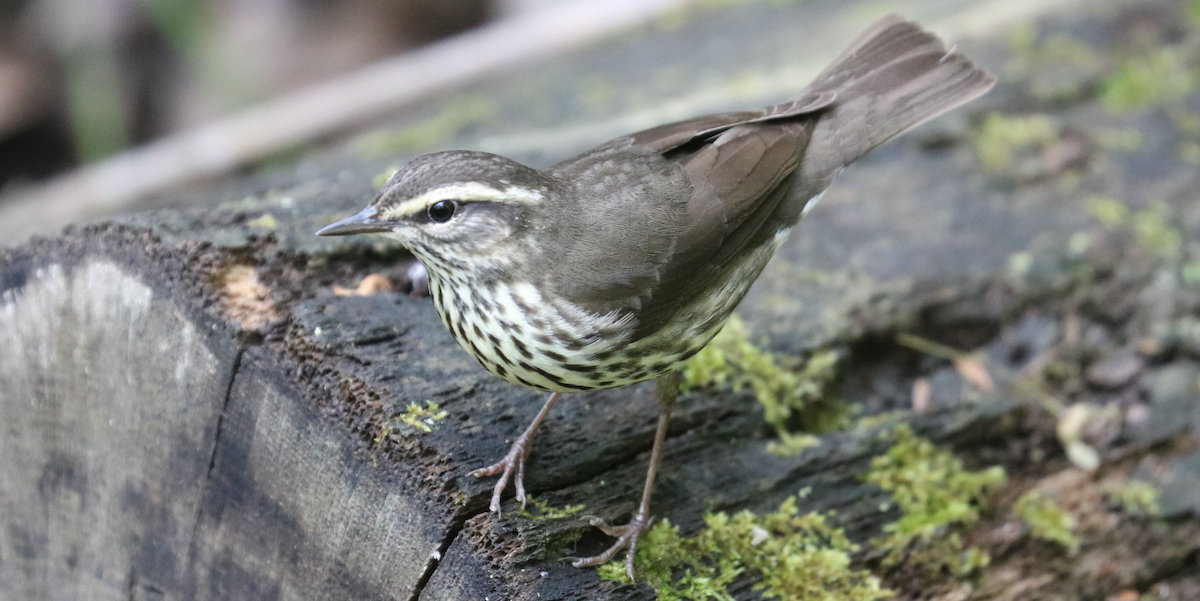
[1151, 226]
[798, 556]
[1153, 231]
[790, 397]
[1146, 79]
[417, 417]
[542, 510]
[1005, 141]
[1135, 497]
[267, 221]
[1046, 519]
[938, 499]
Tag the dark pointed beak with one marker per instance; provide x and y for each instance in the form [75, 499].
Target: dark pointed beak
[362, 223]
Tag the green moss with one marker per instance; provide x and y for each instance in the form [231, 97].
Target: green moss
[1046, 519]
[1146, 79]
[787, 396]
[1155, 233]
[417, 417]
[1136, 497]
[266, 221]
[790, 444]
[868, 423]
[544, 511]
[798, 557]
[1004, 140]
[1151, 226]
[1153, 75]
[1109, 211]
[1056, 48]
[937, 498]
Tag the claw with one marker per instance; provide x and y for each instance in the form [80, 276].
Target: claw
[600, 524]
[627, 538]
[514, 461]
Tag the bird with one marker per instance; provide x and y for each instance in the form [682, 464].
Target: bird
[615, 266]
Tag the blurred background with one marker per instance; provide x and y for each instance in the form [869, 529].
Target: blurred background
[115, 106]
[84, 79]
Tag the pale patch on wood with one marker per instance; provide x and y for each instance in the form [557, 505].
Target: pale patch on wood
[244, 298]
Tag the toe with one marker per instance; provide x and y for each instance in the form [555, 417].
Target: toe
[490, 470]
[519, 481]
[605, 557]
[497, 492]
[601, 525]
[521, 495]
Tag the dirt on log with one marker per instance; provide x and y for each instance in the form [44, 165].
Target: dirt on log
[189, 408]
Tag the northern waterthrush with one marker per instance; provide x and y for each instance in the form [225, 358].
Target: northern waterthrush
[616, 265]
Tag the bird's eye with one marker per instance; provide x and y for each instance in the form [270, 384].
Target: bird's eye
[442, 210]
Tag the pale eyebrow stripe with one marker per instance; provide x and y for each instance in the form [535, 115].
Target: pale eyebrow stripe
[464, 192]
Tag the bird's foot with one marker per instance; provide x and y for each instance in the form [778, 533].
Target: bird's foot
[627, 538]
[514, 461]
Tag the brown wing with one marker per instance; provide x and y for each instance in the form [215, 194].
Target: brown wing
[672, 136]
[663, 210]
[751, 173]
[733, 169]
[739, 178]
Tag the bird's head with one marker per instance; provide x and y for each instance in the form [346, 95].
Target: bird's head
[454, 209]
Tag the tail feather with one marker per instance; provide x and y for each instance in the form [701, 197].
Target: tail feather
[893, 77]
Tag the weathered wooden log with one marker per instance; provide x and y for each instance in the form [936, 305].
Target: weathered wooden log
[188, 410]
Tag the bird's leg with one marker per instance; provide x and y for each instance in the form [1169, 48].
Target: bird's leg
[515, 460]
[627, 535]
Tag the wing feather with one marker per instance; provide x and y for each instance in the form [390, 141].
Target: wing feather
[739, 180]
[717, 186]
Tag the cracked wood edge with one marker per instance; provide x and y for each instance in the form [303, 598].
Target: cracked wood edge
[149, 453]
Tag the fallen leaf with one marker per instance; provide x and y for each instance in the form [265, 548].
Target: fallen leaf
[1083, 456]
[372, 284]
[922, 390]
[369, 285]
[971, 368]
